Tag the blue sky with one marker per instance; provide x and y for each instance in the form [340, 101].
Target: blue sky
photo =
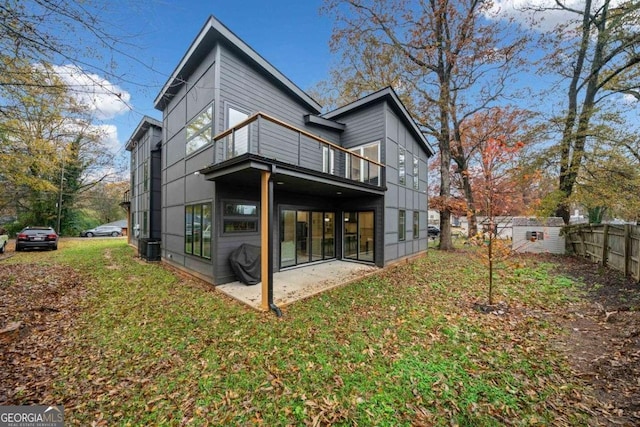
[292, 35]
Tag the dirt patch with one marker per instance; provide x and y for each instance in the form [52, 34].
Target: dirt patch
[44, 301]
[603, 339]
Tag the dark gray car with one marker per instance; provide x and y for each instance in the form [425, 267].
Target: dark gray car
[37, 237]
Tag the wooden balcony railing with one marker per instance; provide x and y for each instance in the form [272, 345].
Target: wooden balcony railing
[272, 138]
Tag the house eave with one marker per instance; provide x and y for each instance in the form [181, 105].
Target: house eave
[312, 119]
[140, 130]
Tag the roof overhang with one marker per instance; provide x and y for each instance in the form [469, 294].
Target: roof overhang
[141, 129]
[215, 32]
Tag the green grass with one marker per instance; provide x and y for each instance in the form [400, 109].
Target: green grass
[401, 348]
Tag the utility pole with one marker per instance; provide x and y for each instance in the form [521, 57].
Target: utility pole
[60, 196]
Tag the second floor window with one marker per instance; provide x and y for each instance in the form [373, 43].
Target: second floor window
[145, 176]
[328, 156]
[402, 167]
[416, 173]
[238, 141]
[360, 169]
[199, 130]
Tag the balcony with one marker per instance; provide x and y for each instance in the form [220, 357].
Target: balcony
[126, 199]
[270, 138]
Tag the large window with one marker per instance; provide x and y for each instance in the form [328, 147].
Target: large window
[402, 167]
[416, 224]
[197, 230]
[145, 176]
[359, 169]
[239, 217]
[402, 225]
[238, 141]
[416, 173]
[199, 130]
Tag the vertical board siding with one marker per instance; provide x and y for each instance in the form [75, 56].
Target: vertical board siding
[226, 243]
[241, 84]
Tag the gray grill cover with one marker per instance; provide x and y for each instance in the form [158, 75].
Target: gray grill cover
[245, 262]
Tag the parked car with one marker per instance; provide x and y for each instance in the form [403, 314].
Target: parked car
[433, 231]
[37, 237]
[103, 230]
[4, 239]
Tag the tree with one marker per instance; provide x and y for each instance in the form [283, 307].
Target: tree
[441, 54]
[50, 150]
[609, 184]
[64, 32]
[475, 133]
[602, 45]
[498, 163]
[52, 55]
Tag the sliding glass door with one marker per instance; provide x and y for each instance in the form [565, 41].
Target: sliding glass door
[306, 236]
[359, 235]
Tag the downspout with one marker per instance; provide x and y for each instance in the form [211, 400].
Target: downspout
[272, 305]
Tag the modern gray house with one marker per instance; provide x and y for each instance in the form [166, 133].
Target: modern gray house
[247, 157]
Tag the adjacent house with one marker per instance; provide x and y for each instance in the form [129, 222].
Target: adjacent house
[244, 156]
[144, 199]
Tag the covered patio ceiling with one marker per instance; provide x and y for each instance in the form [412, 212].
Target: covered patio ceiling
[245, 170]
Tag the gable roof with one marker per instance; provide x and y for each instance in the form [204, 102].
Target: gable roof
[212, 32]
[389, 95]
[142, 127]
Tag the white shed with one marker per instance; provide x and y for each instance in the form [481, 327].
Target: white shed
[538, 235]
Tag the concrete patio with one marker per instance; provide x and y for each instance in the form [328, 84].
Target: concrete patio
[299, 283]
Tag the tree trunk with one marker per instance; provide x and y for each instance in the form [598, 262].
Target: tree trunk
[472, 219]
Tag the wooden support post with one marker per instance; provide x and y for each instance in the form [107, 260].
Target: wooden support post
[264, 238]
[627, 249]
[605, 244]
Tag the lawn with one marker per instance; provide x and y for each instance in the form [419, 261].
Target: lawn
[135, 344]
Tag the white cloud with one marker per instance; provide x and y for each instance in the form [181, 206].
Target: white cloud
[105, 99]
[109, 137]
[630, 99]
[529, 13]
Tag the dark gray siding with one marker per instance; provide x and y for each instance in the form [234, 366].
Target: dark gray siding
[403, 197]
[242, 86]
[365, 126]
[226, 243]
[180, 185]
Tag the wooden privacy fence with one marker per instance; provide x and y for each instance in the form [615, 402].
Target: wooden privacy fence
[614, 246]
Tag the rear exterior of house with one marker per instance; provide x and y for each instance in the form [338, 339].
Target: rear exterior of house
[248, 158]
